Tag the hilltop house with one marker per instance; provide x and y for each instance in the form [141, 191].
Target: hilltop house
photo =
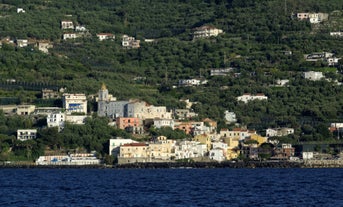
[248, 97]
[44, 46]
[66, 24]
[206, 31]
[105, 36]
[130, 42]
[313, 75]
[314, 18]
[279, 132]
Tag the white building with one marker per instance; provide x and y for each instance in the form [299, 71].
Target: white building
[69, 36]
[26, 134]
[44, 46]
[80, 29]
[230, 117]
[221, 71]
[217, 154]
[115, 144]
[333, 61]
[307, 155]
[192, 82]
[20, 10]
[313, 75]
[22, 42]
[206, 31]
[56, 120]
[130, 42]
[282, 82]
[248, 97]
[105, 36]
[76, 119]
[142, 110]
[279, 132]
[190, 149]
[67, 24]
[74, 103]
[336, 34]
[159, 123]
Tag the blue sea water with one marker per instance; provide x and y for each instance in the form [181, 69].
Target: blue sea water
[171, 187]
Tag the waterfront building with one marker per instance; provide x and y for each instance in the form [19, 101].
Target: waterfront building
[114, 145]
[162, 148]
[190, 149]
[204, 139]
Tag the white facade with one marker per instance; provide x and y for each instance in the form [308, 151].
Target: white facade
[248, 97]
[20, 10]
[191, 82]
[80, 29]
[44, 46]
[142, 110]
[105, 36]
[217, 154]
[282, 82]
[67, 25]
[221, 71]
[22, 42]
[130, 42]
[115, 144]
[26, 134]
[279, 132]
[206, 31]
[313, 75]
[159, 123]
[190, 149]
[332, 61]
[77, 119]
[307, 155]
[74, 103]
[230, 117]
[56, 120]
[69, 36]
[336, 34]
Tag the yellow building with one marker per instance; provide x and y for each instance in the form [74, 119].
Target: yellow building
[162, 148]
[258, 138]
[204, 139]
[232, 148]
[134, 150]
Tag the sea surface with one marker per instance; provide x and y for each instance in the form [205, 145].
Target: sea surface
[171, 187]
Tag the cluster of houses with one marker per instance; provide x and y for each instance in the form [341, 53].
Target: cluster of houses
[327, 57]
[135, 116]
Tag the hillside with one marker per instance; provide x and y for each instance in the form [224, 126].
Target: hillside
[263, 41]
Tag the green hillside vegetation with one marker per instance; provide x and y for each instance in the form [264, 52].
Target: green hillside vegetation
[256, 36]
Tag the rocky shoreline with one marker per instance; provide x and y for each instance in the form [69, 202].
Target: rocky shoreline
[188, 165]
[171, 165]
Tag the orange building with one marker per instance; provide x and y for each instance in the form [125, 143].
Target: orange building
[132, 124]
